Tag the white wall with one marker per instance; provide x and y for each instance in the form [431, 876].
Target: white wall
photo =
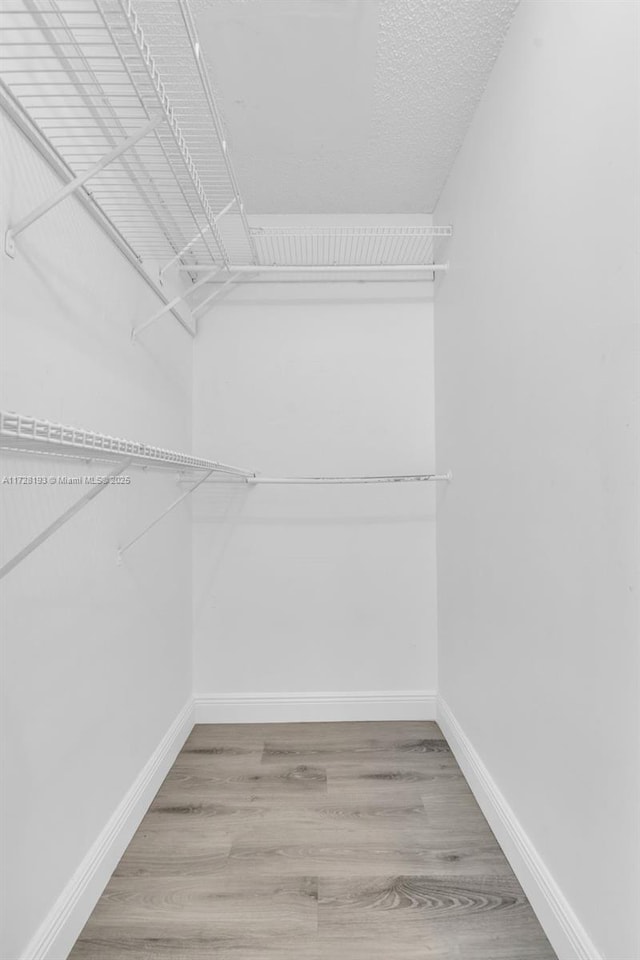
[96, 657]
[536, 380]
[318, 588]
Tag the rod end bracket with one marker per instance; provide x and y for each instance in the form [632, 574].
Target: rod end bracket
[10, 244]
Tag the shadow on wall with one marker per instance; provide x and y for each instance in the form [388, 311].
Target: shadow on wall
[221, 509]
[338, 292]
[220, 504]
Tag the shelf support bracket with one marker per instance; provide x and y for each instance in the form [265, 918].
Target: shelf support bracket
[172, 303]
[197, 237]
[216, 293]
[171, 507]
[76, 183]
[62, 519]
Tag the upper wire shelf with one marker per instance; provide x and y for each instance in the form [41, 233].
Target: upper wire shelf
[86, 74]
[122, 97]
[347, 246]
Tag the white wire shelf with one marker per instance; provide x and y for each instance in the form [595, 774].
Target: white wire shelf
[122, 97]
[23, 434]
[85, 73]
[29, 435]
[188, 85]
[356, 247]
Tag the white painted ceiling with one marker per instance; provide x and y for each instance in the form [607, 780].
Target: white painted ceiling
[348, 106]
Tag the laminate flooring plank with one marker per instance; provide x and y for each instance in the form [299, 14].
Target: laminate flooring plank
[401, 778]
[356, 947]
[205, 908]
[242, 947]
[457, 815]
[393, 769]
[227, 744]
[352, 733]
[476, 914]
[173, 854]
[398, 902]
[366, 752]
[325, 846]
[313, 817]
[189, 782]
[205, 814]
[251, 736]
[212, 760]
[213, 828]
[346, 859]
[185, 948]
[369, 740]
[333, 735]
[332, 841]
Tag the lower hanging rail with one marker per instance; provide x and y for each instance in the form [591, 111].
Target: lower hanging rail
[407, 478]
[390, 478]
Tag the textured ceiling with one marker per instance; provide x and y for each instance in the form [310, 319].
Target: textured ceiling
[348, 106]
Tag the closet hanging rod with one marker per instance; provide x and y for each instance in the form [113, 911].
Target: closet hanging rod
[406, 478]
[323, 268]
[20, 434]
[400, 478]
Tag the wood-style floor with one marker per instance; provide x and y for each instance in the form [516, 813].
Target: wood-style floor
[331, 841]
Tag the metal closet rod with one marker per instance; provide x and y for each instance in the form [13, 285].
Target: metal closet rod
[390, 478]
[402, 478]
[328, 268]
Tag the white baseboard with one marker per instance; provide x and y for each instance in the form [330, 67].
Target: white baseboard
[61, 927]
[315, 707]
[565, 932]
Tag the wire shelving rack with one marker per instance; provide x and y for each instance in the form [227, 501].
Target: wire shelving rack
[23, 434]
[85, 73]
[29, 435]
[121, 94]
[364, 246]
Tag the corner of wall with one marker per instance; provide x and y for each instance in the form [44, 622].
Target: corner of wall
[559, 921]
[62, 926]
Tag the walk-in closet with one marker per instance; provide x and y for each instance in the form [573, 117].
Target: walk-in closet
[319, 486]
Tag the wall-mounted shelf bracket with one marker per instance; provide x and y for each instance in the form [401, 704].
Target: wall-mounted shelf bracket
[29, 435]
[197, 237]
[76, 183]
[172, 303]
[216, 293]
[103, 484]
[164, 513]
